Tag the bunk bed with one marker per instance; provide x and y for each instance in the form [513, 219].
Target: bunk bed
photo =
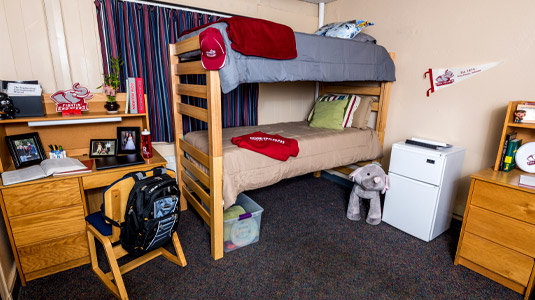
[201, 155]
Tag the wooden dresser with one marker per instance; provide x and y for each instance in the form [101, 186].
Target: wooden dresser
[498, 234]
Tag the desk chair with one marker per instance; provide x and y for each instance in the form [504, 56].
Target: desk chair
[115, 197]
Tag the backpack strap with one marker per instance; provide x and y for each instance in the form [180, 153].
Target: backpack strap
[143, 174]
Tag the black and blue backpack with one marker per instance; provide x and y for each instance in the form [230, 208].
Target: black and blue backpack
[152, 212]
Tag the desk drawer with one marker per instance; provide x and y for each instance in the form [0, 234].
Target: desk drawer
[106, 177]
[510, 202]
[496, 258]
[48, 225]
[40, 197]
[511, 233]
[54, 252]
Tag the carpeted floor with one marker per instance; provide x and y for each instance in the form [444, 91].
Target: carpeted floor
[308, 249]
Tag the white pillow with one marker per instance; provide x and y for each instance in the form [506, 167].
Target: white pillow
[344, 30]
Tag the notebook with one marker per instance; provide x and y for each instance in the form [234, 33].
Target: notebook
[118, 161]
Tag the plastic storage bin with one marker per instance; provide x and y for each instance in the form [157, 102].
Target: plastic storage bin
[245, 229]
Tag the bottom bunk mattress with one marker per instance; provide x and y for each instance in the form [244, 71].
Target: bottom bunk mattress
[319, 149]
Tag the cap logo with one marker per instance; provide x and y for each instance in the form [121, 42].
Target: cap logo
[211, 53]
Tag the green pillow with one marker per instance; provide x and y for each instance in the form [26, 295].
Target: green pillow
[329, 114]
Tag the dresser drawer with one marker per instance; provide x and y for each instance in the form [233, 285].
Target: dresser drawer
[40, 197]
[51, 224]
[54, 252]
[510, 202]
[508, 232]
[496, 258]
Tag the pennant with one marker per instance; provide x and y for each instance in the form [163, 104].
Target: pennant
[441, 78]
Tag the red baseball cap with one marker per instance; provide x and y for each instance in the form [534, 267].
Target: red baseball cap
[213, 54]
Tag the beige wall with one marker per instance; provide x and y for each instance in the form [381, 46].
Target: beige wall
[433, 34]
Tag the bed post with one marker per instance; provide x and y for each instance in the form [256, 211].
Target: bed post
[382, 112]
[216, 162]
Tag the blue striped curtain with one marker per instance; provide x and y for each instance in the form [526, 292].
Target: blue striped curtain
[140, 34]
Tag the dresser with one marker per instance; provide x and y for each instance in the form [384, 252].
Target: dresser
[498, 233]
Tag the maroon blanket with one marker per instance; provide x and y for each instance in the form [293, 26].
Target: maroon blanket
[258, 37]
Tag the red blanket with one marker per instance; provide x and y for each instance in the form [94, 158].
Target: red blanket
[274, 146]
[258, 37]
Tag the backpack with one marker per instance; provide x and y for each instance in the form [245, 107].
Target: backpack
[152, 212]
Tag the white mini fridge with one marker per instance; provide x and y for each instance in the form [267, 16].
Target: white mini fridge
[423, 184]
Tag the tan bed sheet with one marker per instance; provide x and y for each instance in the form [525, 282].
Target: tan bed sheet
[319, 149]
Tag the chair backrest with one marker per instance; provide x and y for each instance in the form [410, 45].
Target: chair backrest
[116, 197]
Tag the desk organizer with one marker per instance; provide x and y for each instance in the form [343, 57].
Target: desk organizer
[57, 154]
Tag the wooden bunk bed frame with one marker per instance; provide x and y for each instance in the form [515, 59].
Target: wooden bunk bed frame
[213, 199]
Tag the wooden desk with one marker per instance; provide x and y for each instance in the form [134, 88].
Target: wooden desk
[45, 218]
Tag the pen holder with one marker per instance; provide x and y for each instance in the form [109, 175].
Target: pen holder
[57, 154]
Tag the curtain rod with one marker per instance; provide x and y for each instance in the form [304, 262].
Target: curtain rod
[178, 6]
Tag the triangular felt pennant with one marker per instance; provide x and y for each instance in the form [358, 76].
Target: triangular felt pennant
[441, 78]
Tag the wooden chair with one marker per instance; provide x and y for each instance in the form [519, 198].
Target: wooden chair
[115, 198]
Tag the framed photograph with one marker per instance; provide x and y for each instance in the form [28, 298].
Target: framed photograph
[524, 114]
[128, 139]
[102, 148]
[25, 149]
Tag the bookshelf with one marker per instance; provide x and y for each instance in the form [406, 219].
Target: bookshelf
[525, 131]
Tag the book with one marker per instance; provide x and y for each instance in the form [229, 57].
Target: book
[46, 168]
[509, 161]
[88, 168]
[127, 97]
[132, 97]
[508, 137]
[527, 181]
[140, 92]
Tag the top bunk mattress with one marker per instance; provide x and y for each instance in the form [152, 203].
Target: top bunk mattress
[319, 149]
[319, 58]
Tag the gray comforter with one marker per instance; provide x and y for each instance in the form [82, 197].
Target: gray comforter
[319, 58]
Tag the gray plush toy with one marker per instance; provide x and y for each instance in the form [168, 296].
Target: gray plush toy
[369, 181]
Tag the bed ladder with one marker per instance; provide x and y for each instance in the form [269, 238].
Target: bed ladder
[194, 183]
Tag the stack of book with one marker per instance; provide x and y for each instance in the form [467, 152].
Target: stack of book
[510, 146]
[135, 96]
[527, 181]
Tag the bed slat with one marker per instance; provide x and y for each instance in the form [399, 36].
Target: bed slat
[188, 45]
[193, 111]
[360, 90]
[196, 188]
[375, 106]
[197, 154]
[192, 67]
[198, 173]
[198, 207]
[194, 90]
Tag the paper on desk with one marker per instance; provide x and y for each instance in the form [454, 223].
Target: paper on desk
[21, 89]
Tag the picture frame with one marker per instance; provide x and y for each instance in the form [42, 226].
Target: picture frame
[128, 140]
[525, 113]
[25, 149]
[102, 148]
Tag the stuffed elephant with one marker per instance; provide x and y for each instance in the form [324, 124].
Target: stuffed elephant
[369, 181]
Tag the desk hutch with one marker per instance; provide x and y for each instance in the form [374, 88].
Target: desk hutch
[498, 233]
[45, 218]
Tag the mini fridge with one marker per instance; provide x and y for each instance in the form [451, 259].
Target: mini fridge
[423, 185]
